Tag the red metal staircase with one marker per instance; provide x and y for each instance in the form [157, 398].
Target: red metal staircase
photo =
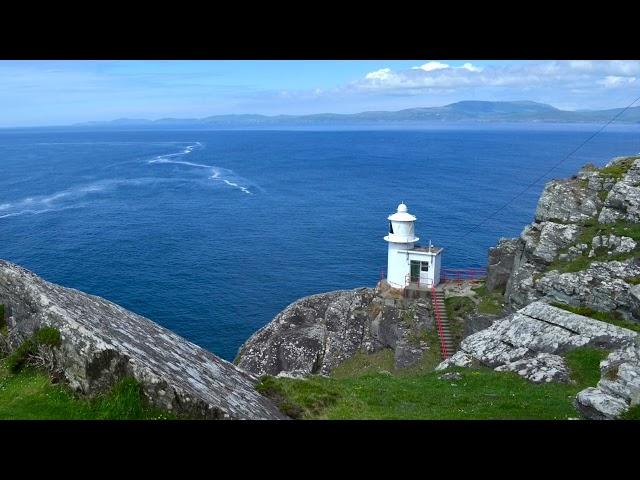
[442, 322]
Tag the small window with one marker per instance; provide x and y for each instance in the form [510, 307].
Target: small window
[424, 266]
[390, 228]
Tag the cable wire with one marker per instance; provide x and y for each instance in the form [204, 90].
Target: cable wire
[615, 117]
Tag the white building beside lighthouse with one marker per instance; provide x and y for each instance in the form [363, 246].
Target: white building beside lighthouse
[409, 263]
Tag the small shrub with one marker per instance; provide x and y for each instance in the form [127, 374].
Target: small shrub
[632, 280]
[32, 347]
[3, 322]
[20, 356]
[47, 336]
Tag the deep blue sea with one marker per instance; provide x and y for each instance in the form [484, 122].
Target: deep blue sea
[211, 233]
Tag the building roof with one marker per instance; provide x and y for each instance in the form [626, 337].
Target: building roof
[427, 249]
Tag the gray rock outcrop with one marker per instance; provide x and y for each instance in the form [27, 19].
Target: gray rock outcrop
[500, 264]
[618, 388]
[531, 340]
[623, 199]
[102, 343]
[317, 333]
[574, 223]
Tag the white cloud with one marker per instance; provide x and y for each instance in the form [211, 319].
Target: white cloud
[382, 74]
[430, 66]
[613, 81]
[471, 67]
[576, 74]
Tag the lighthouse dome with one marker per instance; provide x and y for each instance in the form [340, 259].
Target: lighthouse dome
[402, 215]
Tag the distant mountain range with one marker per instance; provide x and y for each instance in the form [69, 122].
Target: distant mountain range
[466, 111]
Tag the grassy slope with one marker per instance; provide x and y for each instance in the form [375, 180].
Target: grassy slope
[377, 392]
[30, 395]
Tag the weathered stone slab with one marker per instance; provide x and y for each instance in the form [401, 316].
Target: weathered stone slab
[102, 342]
[530, 340]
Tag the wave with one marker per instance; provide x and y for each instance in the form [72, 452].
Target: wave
[224, 175]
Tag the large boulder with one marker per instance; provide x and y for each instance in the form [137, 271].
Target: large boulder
[317, 333]
[517, 342]
[102, 342]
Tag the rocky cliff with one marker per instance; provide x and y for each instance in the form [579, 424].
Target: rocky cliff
[102, 342]
[582, 250]
[317, 333]
[583, 247]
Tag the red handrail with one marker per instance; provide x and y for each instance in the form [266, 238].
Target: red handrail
[443, 346]
[460, 274]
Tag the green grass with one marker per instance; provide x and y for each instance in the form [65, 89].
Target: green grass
[479, 394]
[30, 395]
[582, 262]
[618, 169]
[632, 280]
[602, 195]
[584, 364]
[590, 229]
[623, 229]
[632, 414]
[459, 306]
[490, 302]
[609, 317]
[362, 363]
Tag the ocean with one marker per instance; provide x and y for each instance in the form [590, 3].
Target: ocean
[212, 233]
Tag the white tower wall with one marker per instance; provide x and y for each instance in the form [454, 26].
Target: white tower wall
[398, 266]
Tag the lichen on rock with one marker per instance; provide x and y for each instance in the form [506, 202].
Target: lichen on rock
[101, 343]
[317, 333]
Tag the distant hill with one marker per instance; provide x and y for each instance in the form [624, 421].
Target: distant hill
[465, 111]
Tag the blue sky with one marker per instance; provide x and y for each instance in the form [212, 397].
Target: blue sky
[36, 93]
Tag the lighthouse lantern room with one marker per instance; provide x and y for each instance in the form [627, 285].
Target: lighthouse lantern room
[409, 263]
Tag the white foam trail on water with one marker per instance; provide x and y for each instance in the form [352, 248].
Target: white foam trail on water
[179, 162]
[37, 212]
[218, 173]
[244, 189]
[56, 201]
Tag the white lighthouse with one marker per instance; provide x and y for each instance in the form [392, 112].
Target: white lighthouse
[409, 263]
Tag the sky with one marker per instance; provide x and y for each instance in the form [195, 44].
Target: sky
[41, 93]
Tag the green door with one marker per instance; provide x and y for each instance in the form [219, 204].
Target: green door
[415, 271]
